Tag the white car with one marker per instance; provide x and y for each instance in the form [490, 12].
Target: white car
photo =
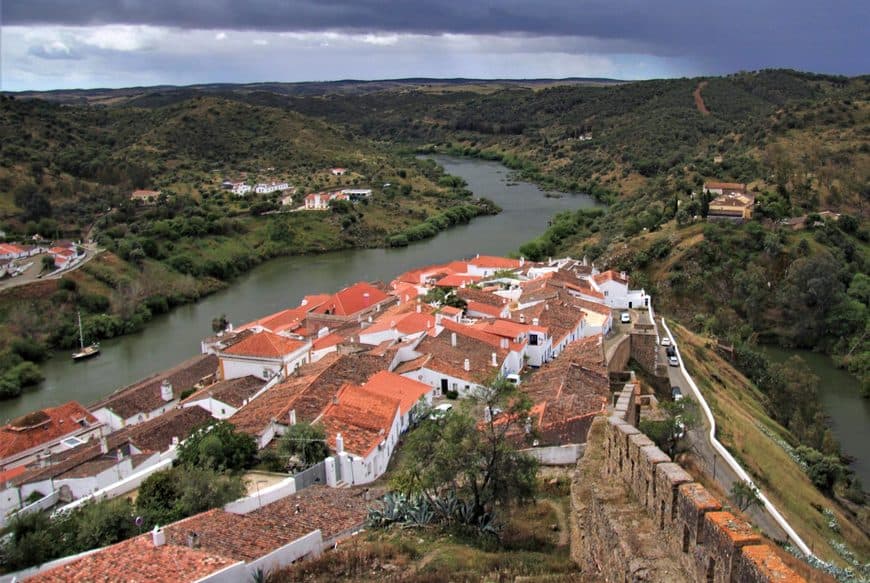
[672, 360]
[666, 341]
[513, 379]
[625, 318]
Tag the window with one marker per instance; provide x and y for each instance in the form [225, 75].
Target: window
[223, 411]
[533, 339]
[605, 293]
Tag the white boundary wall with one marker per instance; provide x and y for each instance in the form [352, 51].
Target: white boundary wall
[729, 459]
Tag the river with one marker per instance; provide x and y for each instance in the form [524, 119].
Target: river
[841, 396]
[281, 283]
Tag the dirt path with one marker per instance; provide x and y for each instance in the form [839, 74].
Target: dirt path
[699, 101]
[560, 516]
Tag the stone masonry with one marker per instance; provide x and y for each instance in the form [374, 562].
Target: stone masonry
[637, 516]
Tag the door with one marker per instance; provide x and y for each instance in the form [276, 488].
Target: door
[443, 386]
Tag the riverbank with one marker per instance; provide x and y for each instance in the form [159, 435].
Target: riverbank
[848, 410]
[275, 284]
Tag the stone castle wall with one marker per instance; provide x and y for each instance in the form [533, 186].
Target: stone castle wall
[641, 517]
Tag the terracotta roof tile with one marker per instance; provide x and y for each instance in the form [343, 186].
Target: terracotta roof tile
[144, 396]
[407, 391]
[137, 560]
[495, 262]
[233, 392]
[363, 418]
[265, 345]
[43, 427]
[353, 299]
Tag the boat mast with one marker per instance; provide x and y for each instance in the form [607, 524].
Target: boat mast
[81, 337]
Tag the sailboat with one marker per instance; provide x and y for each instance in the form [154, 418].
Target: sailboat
[86, 351]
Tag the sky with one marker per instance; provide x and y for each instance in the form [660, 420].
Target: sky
[63, 44]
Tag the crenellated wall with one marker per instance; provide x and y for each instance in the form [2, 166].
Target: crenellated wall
[640, 517]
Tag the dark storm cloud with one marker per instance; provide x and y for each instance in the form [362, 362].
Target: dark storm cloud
[826, 36]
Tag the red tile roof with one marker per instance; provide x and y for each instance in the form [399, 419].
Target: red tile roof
[327, 341]
[457, 280]
[494, 311]
[363, 418]
[502, 328]
[410, 323]
[610, 275]
[137, 560]
[495, 262]
[43, 427]
[407, 391]
[265, 345]
[353, 299]
[233, 392]
[144, 396]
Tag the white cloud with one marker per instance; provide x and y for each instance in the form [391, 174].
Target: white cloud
[123, 56]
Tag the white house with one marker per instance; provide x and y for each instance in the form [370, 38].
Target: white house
[614, 287]
[156, 395]
[411, 394]
[237, 188]
[355, 194]
[363, 428]
[269, 187]
[224, 398]
[263, 355]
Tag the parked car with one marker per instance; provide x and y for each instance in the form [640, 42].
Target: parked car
[666, 341]
[440, 411]
[625, 318]
[676, 393]
[670, 351]
[513, 379]
[672, 360]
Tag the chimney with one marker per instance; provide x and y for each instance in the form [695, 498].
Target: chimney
[438, 319]
[104, 445]
[546, 307]
[419, 308]
[339, 443]
[504, 343]
[522, 261]
[292, 416]
[466, 365]
[453, 339]
[192, 540]
[166, 390]
[522, 318]
[366, 299]
[158, 536]
[494, 359]
[175, 441]
[535, 322]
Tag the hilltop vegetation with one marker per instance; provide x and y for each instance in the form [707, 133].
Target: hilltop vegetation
[69, 172]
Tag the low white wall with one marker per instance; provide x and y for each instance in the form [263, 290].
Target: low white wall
[128, 484]
[232, 574]
[281, 557]
[38, 506]
[557, 455]
[268, 495]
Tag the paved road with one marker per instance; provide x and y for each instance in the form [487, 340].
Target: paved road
[711, 462]
[32, 274]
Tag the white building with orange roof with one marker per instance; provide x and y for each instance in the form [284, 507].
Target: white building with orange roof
[362, 428]
[404, 326]
[263, 355]
[613, 286]
[488, 265]
[412, 395]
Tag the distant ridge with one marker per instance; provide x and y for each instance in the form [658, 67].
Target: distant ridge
[303, 88]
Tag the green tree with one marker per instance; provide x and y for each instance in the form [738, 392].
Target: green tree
[303, 445]
[219, 324]
[33, 203]
[217, 446]
[184, 491]
[678, 417]
[476, 462]
[745, 495]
